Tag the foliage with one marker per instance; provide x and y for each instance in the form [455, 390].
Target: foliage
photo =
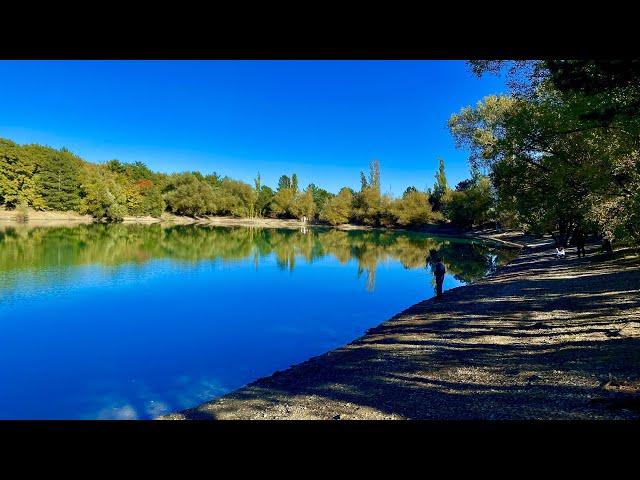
[102, 195]
[18, 165]
[186, 194]
[58, 181]
[440, 188]
[337, 210]
[303, 205]
[46, 178]
[282, 204]
[368, 202]
[233, 197]
[471, 204]
[320, 196]
[413, 209]
[263, 201]
[284, 182]
[563, 148]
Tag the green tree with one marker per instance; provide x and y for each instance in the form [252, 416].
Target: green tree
[413, 209]
[409, 190]
[103, 196]
[284, 182]
[263, 202]
[320, 196]
[58, 182]
[187, 195]
[233, 197]
[337, 210]
[17, 169]
[470, 204]
[572, 131]
[440, 188]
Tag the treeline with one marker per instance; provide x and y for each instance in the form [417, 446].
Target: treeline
[562, 149]
[44, 178]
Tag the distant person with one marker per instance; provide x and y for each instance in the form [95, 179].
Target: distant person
[439, 270]
[579, 240]
[560, 253]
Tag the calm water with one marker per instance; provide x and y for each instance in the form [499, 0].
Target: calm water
[131, 321]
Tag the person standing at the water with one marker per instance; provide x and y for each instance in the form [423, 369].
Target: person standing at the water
[579, 240]
[439, 270]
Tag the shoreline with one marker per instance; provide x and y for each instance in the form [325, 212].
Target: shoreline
[539, 339]
[58, 218]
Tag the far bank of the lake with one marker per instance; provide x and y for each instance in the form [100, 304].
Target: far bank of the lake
[540, 339]
[58, 218]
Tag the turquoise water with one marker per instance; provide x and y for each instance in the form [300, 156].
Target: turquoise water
[132, 321]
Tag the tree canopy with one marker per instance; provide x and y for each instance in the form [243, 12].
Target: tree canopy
[563, 148]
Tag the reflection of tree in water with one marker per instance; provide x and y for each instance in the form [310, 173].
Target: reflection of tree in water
[37, 248]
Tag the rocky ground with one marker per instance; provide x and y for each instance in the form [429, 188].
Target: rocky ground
[540, 339]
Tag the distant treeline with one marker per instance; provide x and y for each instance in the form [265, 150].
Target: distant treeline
[559, 154]
[45, 178]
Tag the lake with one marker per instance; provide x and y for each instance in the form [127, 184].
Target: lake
[134, 321]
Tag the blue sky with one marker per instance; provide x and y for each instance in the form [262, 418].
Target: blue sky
[324, 120]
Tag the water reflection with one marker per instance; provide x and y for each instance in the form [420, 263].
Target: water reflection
[23, 248]
[132, 321]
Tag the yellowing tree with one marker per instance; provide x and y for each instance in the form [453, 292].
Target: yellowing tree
[413, 209]
[304, 206]
[337, 210]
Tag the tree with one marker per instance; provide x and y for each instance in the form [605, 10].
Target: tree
[151, 201]
[440, 188]
[374, 174]
[102, 196]
[233, 197]
[187, 195]
[58, 182]
[337, 210]
[470, 204]
[413, 209]
[368, 203]
[576, 118]
[18, 166]
[282, 204]
[320, 196]
[408, 191]
[304, 206]
[284, 182]
[294, 183]
[263, 202]
[514, 138]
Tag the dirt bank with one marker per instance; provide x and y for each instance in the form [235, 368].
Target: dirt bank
[540, 339]
[38, 218]
[57, 218]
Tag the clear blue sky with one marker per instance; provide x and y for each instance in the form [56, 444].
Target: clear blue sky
[324, 120]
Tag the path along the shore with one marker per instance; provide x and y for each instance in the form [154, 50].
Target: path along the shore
[540, 339]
